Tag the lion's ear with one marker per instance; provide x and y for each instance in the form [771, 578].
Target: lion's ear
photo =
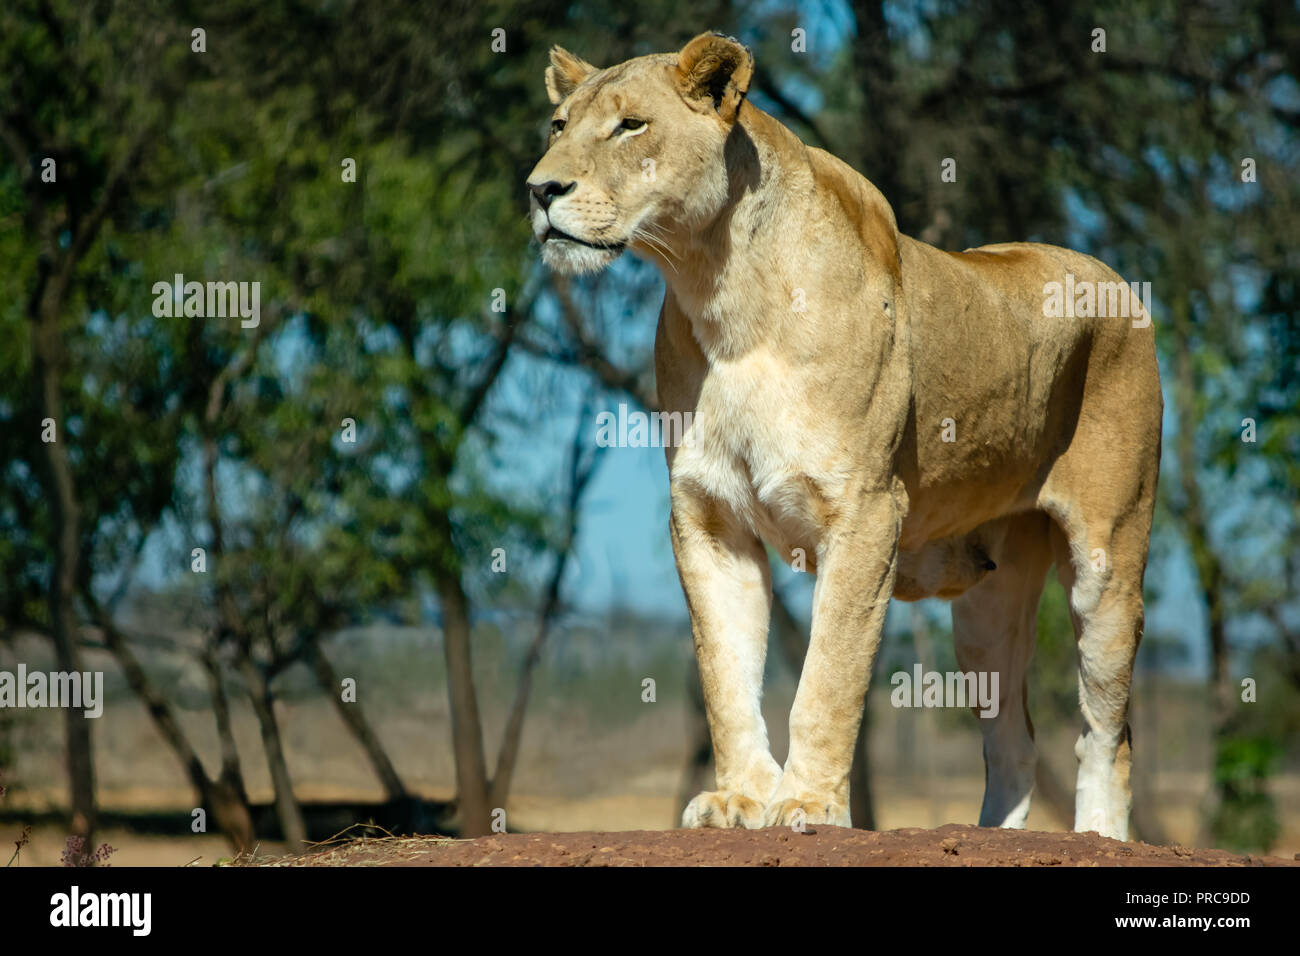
[719, 68]
[565, 73]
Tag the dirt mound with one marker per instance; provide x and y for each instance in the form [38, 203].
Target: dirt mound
[953, 845]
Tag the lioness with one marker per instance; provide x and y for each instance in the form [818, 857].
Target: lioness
[909, 421]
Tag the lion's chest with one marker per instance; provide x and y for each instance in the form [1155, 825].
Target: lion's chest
[756, 451]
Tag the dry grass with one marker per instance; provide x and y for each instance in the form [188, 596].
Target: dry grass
[344, 850]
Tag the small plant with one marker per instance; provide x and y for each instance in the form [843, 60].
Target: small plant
[74, 853]
[24, 838]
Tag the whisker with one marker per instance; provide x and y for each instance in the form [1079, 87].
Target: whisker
[657, 243]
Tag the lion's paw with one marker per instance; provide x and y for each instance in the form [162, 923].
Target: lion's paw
[792, 813]
[723, 809]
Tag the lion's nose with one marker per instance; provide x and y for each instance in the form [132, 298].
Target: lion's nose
[546, 192]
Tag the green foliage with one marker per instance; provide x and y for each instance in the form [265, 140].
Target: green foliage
[1246, 818]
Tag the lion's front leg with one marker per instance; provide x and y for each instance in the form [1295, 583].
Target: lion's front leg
[855, 579]
[728, 589]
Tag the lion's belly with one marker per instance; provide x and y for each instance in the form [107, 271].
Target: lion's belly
[995, 384]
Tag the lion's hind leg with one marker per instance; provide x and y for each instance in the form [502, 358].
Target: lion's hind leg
[994, 628]
[1101, 552]
[1101, 569]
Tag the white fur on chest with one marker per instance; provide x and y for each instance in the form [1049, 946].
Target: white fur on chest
[753, 452]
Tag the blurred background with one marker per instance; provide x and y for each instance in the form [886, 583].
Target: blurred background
[365, 561]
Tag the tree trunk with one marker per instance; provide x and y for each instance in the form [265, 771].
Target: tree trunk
[1209, 569]
[878, 153]
[66, 514]
[230, 769]
[512, 738]
[229, 808]
[466, 729]
[354, 719]
[230, 811]
[286, 804]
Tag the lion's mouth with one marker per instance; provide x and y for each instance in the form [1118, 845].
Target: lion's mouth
[553, 233]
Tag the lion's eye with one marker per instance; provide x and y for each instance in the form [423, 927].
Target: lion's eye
[557, 126]
[631, 124]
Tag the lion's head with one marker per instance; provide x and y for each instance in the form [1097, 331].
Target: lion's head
[636, 151]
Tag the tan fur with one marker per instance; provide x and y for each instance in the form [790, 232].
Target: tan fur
[821, 352]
